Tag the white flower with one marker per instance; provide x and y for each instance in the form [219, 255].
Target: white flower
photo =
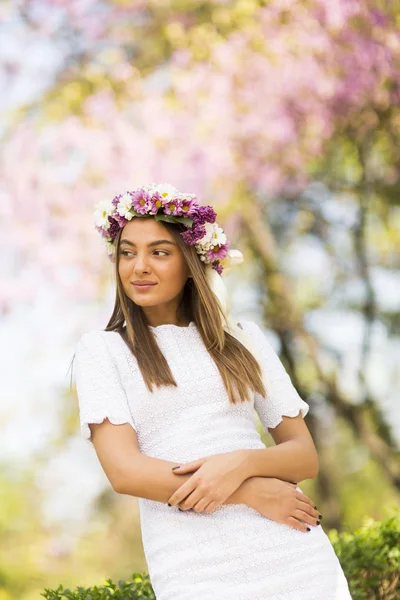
[124, 206]
[219, 236]
[187, 196]
[103, 210]
[214, 236]
[166, 190]
[207, 237]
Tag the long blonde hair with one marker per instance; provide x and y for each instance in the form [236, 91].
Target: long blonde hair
[239, 369]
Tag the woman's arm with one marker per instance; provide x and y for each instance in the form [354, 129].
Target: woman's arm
[293, 458]
[133, 473]
[153, 478]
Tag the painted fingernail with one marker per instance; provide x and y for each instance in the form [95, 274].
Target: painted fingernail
[308, 529]
[181, 509]
[315, 508]
[169, 504]
[319, 516]
[173, 468]
[317, 522]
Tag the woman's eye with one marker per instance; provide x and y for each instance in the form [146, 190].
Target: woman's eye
[127, 253]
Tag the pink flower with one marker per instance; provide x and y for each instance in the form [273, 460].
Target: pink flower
[218, 252]
[156, 203]
[122, 221]
[187, 204]
[141, 202]
[173, 207]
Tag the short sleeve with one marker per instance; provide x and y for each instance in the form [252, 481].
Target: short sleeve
[282, 397]
[98, 384]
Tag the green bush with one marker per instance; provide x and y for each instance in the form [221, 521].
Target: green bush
[139, 588]
[370, 558]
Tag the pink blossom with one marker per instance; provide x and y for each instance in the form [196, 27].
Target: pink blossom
[141, 201]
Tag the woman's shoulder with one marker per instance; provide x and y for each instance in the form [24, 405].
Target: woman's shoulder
[100, 347]
[256, 333]
[97, 338]
[249, 325]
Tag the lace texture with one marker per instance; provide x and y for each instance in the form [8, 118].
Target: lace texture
[233, 553]
[99, 387]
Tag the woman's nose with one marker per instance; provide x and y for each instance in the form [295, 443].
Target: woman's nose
[140, 264]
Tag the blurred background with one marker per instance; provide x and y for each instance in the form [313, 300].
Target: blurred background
[284, 115]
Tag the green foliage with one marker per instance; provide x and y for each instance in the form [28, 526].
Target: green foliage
[139, 588]
[370, 558]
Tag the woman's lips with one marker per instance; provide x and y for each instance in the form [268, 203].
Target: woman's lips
[143, 287]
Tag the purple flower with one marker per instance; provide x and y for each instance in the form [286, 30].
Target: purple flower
[202, 214]
[114, 228]
[218, 252]
[156, 203]
[187, 205]
[217, 267]
[193, 234]
[122, 221]
[173, 207]
[141, 201]
[116, 200]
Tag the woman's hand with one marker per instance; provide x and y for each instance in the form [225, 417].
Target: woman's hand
[216, 478]
[281, 501]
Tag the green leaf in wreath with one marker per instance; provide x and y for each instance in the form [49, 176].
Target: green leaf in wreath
[187, 221]
[136, 214]
[174, 219]
[167, 218]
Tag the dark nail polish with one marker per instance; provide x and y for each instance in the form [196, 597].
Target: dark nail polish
[315, 508]
[317, 522]
[174, 468]
[319, 516]
[169, 504]
[308, 529]
[181, 509]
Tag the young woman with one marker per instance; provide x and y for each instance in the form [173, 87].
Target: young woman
[167, 394]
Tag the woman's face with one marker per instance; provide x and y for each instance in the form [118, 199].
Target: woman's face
[143, 256]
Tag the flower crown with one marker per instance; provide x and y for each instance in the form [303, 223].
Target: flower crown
[166, 203]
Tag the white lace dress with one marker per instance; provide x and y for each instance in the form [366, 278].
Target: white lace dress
[233, 553]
